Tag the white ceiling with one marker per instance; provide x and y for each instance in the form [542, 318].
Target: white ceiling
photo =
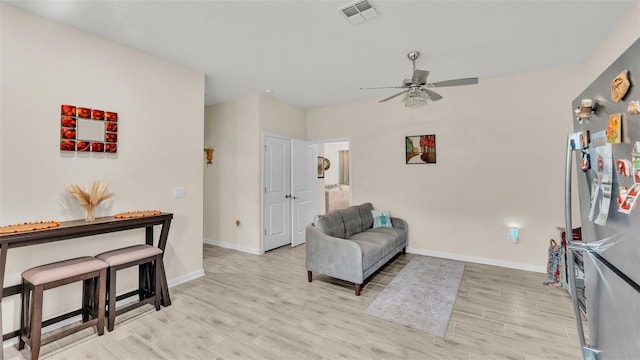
[310, 55]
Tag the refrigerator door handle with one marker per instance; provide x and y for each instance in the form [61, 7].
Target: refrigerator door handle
[571, 245]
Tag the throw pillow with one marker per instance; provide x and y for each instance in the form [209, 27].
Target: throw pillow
[381, 219]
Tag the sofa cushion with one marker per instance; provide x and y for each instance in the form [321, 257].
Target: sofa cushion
[352, 222]
[365, 216]
[400, 235]
[330, 224]
[374, 246]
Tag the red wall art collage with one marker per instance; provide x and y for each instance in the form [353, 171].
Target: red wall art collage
[88, 130]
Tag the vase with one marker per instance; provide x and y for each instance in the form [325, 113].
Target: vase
[90, 213]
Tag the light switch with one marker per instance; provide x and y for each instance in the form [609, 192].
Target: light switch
[179, 192]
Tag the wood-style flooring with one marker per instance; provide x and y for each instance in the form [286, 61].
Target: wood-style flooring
[262, 307]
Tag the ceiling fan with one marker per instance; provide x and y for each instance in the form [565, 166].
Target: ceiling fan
[416, 87]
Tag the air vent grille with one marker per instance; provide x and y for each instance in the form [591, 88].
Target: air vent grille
[359, 11]
[363, 6]
[351, 11]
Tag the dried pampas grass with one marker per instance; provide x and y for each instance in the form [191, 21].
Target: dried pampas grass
[90, 198]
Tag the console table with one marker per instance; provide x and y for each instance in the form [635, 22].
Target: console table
[81, 228]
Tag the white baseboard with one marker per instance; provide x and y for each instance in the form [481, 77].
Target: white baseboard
[479, 260]
[185, 278]
[226, 245]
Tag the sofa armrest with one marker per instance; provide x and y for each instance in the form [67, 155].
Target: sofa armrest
[399, 223]
[336, 257]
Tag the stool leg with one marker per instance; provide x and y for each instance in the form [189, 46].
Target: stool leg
[95, 287]
[24, 315]
[144, 286]
[156, 281]
[101, 294]
[112, 298]
[36, 321]
[86, 299]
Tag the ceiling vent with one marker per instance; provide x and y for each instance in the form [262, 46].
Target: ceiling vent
[359, 11]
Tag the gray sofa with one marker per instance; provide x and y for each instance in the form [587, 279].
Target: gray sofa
[343, 244]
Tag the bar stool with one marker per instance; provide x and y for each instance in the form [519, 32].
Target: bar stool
[148, 258]
[35, 280]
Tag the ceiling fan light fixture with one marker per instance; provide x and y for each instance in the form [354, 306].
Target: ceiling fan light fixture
[416, 98]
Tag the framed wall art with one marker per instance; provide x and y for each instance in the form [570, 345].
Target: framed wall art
[88, 130]
[323, 165]
[420, 149]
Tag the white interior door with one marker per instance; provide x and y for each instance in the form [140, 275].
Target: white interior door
[277, 190]
[303, 188]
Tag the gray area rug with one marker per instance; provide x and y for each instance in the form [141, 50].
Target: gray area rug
[421, 296]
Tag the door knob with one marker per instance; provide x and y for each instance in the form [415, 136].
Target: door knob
[287, 196]
[293, 197]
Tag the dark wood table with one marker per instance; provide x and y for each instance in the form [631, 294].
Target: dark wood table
[81, 228]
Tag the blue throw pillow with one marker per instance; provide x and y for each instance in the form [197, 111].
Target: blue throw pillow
[381, 219]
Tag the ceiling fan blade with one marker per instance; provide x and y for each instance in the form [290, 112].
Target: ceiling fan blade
[419, 77]
[383, 87]
[434, 96]
[393, 96]
[455, 82]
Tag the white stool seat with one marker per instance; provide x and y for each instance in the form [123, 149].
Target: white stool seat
[62, 270]
[128, 254]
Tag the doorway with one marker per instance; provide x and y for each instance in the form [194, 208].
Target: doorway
[335, 181]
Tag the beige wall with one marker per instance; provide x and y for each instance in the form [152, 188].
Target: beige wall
[500, 149]
[233, 182]
[278, 118]
[160, 107]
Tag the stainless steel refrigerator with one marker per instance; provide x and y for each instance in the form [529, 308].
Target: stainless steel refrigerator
[606, 162]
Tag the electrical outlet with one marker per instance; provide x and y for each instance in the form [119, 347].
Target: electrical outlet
[179, 192]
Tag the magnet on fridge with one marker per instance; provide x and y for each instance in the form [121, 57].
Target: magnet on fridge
[622, 194]
[623, 167]
[615, 129]
[584, 139]
[633, 107]
[586, 161]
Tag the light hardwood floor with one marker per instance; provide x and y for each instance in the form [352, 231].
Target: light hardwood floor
[262, 307]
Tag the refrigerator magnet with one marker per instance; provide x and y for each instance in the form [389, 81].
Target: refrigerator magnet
[630, 199]
[619, 86]
[614, 129]
[623, 167]
[586, 161]
[633, 107]
[622, 194]
[627, 205]
[584, 139]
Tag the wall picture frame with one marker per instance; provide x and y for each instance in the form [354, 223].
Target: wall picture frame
[85, 129]
[420, 149]
[321, 167]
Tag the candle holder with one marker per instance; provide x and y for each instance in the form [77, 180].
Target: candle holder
[209, 152]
